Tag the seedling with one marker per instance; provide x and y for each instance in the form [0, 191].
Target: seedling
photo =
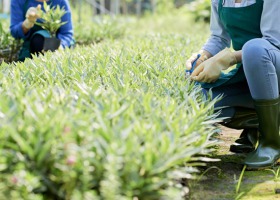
[276, 178]
[240, 179]
[275, 172]
[51, 18]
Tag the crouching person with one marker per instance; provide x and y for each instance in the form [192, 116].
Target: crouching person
[251, 90]
[24, 15]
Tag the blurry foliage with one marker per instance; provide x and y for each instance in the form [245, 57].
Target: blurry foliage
[97, 30]
[94, 29]
[164, 6]
[6, 40]
[201, 10]
[9, 46]
[130, 6]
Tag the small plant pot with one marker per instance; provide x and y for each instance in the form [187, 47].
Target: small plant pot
[51, 44]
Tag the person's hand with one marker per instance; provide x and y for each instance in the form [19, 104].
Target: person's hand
[201, 59]
[31, 16]
[210, 70]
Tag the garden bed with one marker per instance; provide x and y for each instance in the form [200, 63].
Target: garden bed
[117, 120]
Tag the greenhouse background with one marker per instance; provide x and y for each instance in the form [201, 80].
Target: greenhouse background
[110, 6]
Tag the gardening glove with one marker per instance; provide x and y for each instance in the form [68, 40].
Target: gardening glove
[194, 58]
[31, 16]
[210, 70]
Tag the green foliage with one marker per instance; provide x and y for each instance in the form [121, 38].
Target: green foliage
[275, 172]
[240, 180]
[116, 120]
[98, 30]
[51, 18]
[6, 40]
[201, 10]
[89, 30]
[9, 47]
[164, 6]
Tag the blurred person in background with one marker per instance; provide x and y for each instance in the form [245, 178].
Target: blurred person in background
[251, 89]
[24, 14]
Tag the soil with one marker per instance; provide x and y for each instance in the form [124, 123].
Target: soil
[220, 179]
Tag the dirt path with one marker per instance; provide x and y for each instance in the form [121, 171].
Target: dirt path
[220, 181]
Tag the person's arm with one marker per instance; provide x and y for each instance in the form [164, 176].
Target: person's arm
[22, 22]
[32, 15]
[219, 38]
[270, 25]
[17, 19]
[65, 32]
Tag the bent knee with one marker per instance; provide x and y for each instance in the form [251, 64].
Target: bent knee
[255, 53]
[255, 48]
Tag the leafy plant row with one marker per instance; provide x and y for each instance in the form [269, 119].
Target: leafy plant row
[201, 9]
[99, 29]
[84, 34]
[8, 45]
[112, 121]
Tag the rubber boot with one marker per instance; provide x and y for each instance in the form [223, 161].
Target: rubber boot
[244, 118]
[246, 142]
[268, 151]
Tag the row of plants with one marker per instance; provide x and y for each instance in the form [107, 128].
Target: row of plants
[201, 10]
[8, 45]
[99, 29]
[116, 120]
[86, 31]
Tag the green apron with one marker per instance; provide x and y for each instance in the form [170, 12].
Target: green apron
[25, 49]
[242, 24]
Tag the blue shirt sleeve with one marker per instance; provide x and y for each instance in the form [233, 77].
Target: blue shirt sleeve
[270, 26]
[65, 32]
[219, 38]
[17, 18]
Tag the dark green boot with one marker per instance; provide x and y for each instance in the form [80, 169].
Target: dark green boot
[268, 151]
[246, 142]
[244, 118]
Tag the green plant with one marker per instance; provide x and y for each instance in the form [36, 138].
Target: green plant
[201, 10]
[164, 6]
[240, 179]
[237, 188]
[239, 195]
[51, 18]
[276, 178]
[275, 173]
[117, 119]
[208, 169]
[6, 40]
[98, 30]
[9, 47]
